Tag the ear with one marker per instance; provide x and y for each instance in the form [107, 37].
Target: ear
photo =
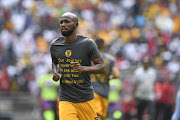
[77, 24]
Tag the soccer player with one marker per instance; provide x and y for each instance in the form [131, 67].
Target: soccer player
[72, 55]
[101, 81]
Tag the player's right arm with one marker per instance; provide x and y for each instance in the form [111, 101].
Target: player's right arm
[56, 75]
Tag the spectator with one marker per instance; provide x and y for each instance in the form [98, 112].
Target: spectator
[164, 96]
[144, 79]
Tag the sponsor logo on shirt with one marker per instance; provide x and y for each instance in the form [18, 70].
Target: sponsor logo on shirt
[68, 53]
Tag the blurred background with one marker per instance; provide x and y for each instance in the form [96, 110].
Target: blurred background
[131, 29]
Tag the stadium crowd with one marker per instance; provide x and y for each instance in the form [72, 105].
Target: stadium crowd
[131, 29]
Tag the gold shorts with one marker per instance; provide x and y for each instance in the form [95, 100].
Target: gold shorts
[101, 104]
[75, 111]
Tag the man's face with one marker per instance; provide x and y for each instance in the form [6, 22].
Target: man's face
[67, 26]
[146, 66]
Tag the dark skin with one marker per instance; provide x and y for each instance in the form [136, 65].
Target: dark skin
[69, 22]
[115, 70]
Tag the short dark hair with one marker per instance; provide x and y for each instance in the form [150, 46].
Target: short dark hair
[99, 42]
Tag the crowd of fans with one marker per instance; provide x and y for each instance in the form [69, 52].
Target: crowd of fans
[131, 29]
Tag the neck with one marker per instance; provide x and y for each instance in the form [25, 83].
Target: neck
[101, 50]
[70, 38]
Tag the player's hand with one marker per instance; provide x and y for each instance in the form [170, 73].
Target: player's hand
[77, 66]
[56, 76]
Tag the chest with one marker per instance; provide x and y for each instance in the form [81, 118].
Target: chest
[65, 54]
[146, 77]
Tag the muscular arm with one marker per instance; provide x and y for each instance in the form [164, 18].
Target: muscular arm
[56, 75]
[98, 67]
[54, 67]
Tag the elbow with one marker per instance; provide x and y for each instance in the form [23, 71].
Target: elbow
[117, 75]
[116, 72]
[102, 69]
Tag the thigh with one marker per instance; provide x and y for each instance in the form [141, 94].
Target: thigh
[141, 105]
[105, 106]
[101, 105]
[151, 106]
[67, 111]
[151, 109]
[86, 110]
[98, 104]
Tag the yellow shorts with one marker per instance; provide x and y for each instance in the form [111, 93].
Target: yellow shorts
[101, 104]
[75, 111]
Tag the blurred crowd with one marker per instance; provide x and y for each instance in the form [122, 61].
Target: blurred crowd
[131, 29]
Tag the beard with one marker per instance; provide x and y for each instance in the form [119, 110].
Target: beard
[68, 33]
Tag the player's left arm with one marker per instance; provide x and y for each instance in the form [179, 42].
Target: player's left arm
[98, 67]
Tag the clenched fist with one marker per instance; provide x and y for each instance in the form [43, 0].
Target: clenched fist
[56, 76]
[77, 66]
